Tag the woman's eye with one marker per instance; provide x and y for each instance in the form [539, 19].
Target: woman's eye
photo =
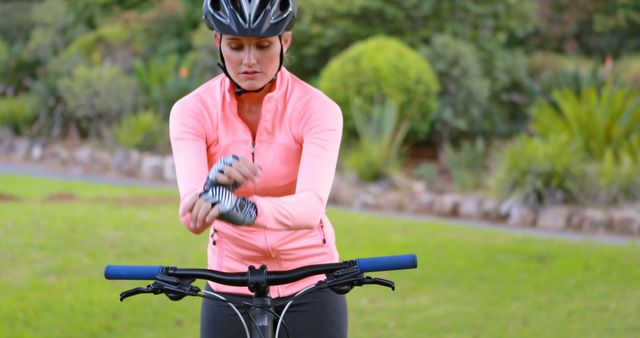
[235, 47]
[264, 46]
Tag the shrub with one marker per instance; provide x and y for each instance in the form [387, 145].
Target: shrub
[377, 151]
[96, 97]
[628, 70]
[597, 120]
[164, 80]
[18, 113]
[509, 81]
[465, 90]
[612, 180]
[539, 171]
[382, 69]
[144, 130]
[467, 164]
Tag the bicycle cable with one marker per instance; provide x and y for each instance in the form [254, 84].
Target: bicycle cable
[281, 319]
[244, 324]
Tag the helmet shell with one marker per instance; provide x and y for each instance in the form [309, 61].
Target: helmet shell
[249, 17]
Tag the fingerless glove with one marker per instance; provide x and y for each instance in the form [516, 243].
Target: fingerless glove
[233, 209]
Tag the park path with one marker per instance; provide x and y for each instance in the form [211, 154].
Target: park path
[39, 171]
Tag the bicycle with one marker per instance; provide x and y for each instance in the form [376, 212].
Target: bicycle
[342, 277]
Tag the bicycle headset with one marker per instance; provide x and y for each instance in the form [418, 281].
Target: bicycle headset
[257, 18]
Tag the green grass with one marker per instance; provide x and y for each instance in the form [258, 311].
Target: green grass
[470, 282]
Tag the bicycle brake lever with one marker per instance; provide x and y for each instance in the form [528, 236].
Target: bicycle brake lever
[377, 281]
[138, 291]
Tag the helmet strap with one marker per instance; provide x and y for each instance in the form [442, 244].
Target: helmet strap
[239, 90]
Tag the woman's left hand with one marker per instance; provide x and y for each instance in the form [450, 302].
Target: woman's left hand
[202, 213]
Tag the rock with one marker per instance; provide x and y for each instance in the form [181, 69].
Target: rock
[37, 151]
[57, 154]
[491, 210]
[21, 148]
[421, 203]
[554, 218]
[82, 155]
[126, 162]
[152, 167]
[521, 215]
[446, 205]
[470, 207]
[168, 169]
[626, 221]
[590, 220]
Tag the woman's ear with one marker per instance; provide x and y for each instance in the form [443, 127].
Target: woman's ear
[216, 39]
[287, 38]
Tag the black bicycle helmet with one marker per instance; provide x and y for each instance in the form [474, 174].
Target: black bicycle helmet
[249, 17]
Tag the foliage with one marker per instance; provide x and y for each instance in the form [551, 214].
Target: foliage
[597, 121]
[509, 85]
[377, 151]
[18, 113]
[15, 69]
[164, 80]
[612, 179]
[627, 70]
[590, 27]
[17, 26]
[326, 27]
[143, 130]
[55, 26]
[464, 95]
[427, 172]
[96, 97]
[382, 69]
[586, 148]
[539, 171]
[467, 164]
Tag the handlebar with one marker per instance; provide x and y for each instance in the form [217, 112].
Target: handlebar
[371, 264]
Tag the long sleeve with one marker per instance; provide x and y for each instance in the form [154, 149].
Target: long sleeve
[189, 145]
[321, 132]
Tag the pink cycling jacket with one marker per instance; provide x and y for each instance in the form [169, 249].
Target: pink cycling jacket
[296, 145]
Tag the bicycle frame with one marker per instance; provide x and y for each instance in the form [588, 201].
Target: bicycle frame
[175, 283]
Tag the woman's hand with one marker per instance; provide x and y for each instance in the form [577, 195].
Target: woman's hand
[202, 213]
[240, 171]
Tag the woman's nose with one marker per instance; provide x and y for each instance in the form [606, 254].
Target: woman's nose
[249, 57]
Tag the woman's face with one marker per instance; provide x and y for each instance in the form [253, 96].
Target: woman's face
[252, 61]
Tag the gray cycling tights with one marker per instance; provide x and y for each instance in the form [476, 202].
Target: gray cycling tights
[319, 314]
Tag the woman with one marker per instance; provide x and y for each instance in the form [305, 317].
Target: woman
[271, 142]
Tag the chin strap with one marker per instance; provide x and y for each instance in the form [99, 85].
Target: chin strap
[239, 90]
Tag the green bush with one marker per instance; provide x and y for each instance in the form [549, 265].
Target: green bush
[596, 120]
[18, 113]
[586, 148]
[467, 164]
[510, 83]
[539, 171]
[382, 69]
[377, 151]
[612, 180]
[164, 80]
[96, 97]
[144, 130]
[628, 70]
[465, 90]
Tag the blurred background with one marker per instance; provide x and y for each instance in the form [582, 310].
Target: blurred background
[527, 108]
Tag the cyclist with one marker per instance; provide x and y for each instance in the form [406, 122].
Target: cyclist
[270, 143]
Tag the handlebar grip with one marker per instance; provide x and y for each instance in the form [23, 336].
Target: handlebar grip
[385, 263]
[132, 272]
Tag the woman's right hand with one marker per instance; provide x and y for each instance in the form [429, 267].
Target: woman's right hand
[202, 213]
[242, 170]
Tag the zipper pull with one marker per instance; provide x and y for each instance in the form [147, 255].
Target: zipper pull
[253, 152]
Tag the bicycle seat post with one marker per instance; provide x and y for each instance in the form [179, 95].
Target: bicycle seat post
[261, 313]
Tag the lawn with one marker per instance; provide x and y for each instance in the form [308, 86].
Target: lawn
[57, 236]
